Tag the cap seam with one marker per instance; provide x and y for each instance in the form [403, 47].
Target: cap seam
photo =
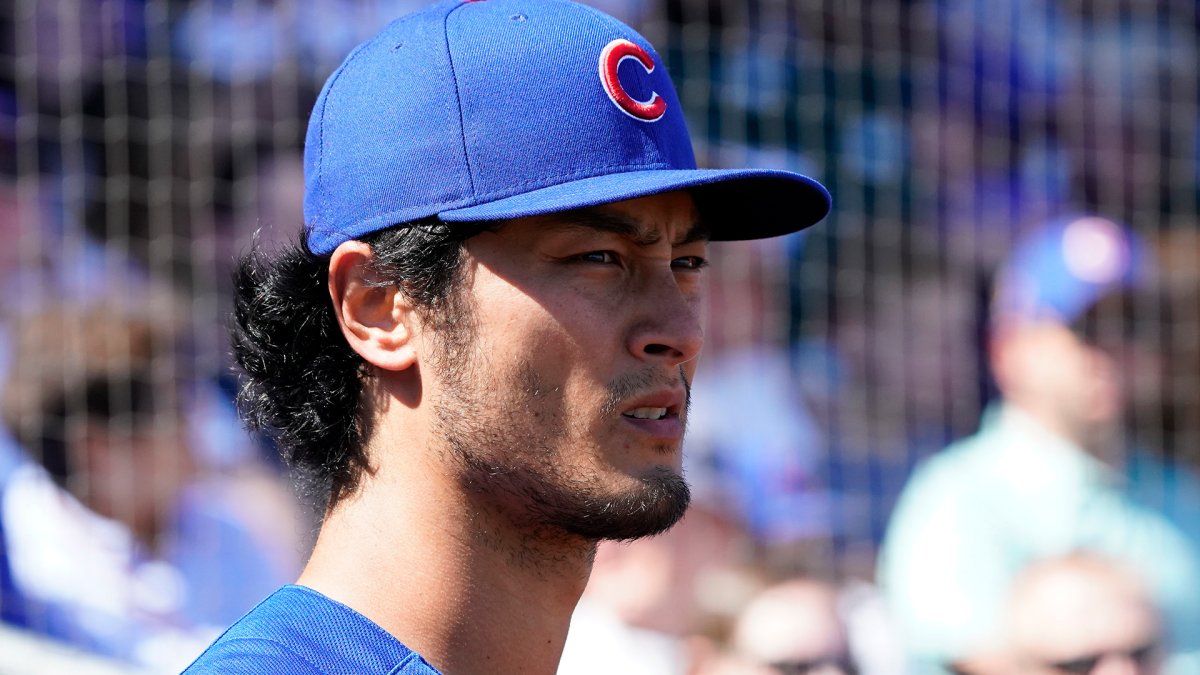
[462, 130]
[325, 106]
[516, 188]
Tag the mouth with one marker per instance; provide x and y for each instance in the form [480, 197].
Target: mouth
[656, 405]
[658, 414]
[646, 413]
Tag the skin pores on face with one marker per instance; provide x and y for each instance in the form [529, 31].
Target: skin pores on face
[565, 402]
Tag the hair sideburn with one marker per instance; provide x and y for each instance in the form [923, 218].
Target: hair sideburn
[301, 383]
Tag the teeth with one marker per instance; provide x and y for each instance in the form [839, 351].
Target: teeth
[647, 413]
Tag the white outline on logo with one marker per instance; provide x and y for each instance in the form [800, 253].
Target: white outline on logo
[608, 85]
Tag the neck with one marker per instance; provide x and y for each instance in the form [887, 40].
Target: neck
[1100, 441]
[447, 575]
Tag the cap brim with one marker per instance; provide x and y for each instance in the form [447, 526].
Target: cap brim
[736, 203]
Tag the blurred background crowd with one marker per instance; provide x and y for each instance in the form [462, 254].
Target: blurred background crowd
[954, 428]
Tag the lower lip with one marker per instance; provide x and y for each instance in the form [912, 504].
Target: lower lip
[665, 429]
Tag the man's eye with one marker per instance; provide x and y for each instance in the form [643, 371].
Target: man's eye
[690, 262]
[598, 257]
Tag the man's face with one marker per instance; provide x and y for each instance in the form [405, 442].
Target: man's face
[563, 397]
[1048, 368]
[132, 470]
[1084, 619]
[1085, 378]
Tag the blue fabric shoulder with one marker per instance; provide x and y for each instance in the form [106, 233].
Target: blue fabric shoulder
[298, 630]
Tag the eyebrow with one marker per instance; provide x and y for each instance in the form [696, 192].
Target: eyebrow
[615, 223]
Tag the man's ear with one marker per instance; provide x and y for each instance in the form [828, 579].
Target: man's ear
[377, 321]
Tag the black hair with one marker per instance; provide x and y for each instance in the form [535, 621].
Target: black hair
[301, 382]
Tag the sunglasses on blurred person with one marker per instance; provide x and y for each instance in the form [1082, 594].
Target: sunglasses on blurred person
[1122, 320]
[1143, 658]
[828, 666]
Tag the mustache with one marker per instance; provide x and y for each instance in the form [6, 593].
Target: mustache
[639, 382]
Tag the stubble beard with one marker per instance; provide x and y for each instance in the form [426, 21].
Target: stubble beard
[506, 433]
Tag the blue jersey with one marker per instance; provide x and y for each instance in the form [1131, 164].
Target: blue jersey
[297, 630]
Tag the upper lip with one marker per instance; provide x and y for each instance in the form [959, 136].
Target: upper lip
[671, 399]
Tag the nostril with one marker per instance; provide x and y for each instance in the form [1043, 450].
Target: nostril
[656, 349]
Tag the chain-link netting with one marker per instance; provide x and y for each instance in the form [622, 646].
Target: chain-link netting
[145, 143]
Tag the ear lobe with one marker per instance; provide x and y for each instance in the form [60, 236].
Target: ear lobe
[377, 321]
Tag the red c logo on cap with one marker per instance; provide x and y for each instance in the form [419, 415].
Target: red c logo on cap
[611, 57]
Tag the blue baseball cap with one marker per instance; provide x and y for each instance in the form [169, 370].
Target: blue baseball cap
[483, 110]
[1062, 269]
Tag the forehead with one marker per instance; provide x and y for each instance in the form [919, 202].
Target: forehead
[1075, 607]
[671, 217]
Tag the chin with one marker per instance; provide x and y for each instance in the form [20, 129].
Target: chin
[651, 506]
[666, 459]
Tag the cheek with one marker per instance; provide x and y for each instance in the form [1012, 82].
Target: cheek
[1058, 367]
[1105, 385]
[562, 334]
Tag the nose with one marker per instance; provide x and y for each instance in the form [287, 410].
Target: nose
[669, 329]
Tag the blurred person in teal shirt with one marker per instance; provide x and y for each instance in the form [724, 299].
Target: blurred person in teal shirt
[1040, 478]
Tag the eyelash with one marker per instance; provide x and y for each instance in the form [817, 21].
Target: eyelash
[610, 257]
[694, 262]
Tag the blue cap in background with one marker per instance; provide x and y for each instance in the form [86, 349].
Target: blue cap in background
[1062, 269]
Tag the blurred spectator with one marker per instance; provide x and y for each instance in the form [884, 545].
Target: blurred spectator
[1082, 613]
[751, 445]
[156, 136]
[808, 627]
[79, 526]
[795, 628]
[650, 604]
[1041, 477]
[114, 539]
